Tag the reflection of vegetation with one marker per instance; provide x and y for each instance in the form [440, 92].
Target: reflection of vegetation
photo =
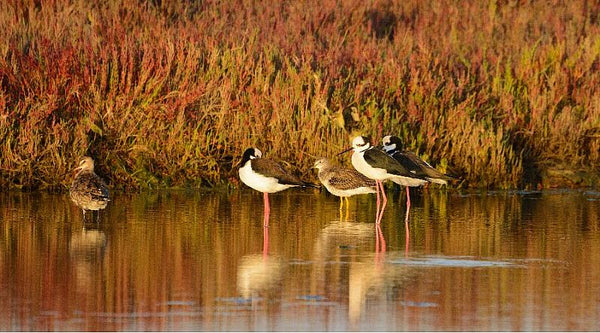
[159, 253]
[169, 93]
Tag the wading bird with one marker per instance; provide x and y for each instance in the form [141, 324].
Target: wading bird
[343, 182]
[392, 145]
[266, 176]
[413, 163]
[88, 191]
[376, 164]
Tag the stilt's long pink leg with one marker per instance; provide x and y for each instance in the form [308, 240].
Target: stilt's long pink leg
[407, 198]
[383, 204]
[383, 193]
[378, 201]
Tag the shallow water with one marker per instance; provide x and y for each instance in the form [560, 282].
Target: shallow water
[192, 261]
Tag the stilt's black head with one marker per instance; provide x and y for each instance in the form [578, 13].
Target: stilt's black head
[251, 153]
[391, 143]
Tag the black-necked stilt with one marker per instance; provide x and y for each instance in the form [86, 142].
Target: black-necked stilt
[343, 182]
[266, 176]
[378, 165]
[88, 191]
[413, 163]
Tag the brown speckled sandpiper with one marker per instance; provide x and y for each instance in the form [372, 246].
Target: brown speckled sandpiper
[343, 182]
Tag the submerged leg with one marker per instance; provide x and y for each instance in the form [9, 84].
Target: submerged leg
[379, 247]
[265, 243]
[380, 238]
[267, 208]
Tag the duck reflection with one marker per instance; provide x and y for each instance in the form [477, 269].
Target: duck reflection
[86, 249]
[259, 274]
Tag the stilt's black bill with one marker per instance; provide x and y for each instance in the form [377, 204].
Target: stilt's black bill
[345, 151]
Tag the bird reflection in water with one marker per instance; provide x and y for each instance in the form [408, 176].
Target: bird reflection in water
[86, 249]
[375, 278]
[380, 240]
[407, 233]
[259, 274]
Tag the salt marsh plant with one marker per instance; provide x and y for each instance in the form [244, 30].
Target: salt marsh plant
[170, 93]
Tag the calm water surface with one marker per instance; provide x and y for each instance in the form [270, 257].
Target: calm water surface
[194, 261]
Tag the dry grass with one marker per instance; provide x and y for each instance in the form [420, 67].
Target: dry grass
[167, 95]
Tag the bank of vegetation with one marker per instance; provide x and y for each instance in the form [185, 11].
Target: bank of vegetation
[503, 94]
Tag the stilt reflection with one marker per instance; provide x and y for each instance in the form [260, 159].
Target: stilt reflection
[259, 274]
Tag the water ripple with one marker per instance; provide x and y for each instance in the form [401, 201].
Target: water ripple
[455, 262]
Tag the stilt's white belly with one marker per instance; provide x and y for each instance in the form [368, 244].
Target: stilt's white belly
[407, 181]
[363, 167]
[260, 182]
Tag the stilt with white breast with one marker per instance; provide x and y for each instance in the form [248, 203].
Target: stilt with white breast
[343, 182]
[88, 191]
[378, 165]
[392, 145]
[266, 176]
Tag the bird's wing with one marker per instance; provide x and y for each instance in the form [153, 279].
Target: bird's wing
[379, 159]
[426, 168]
[347, 179]
[409, 163]
[271, 168]
[93, 185]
